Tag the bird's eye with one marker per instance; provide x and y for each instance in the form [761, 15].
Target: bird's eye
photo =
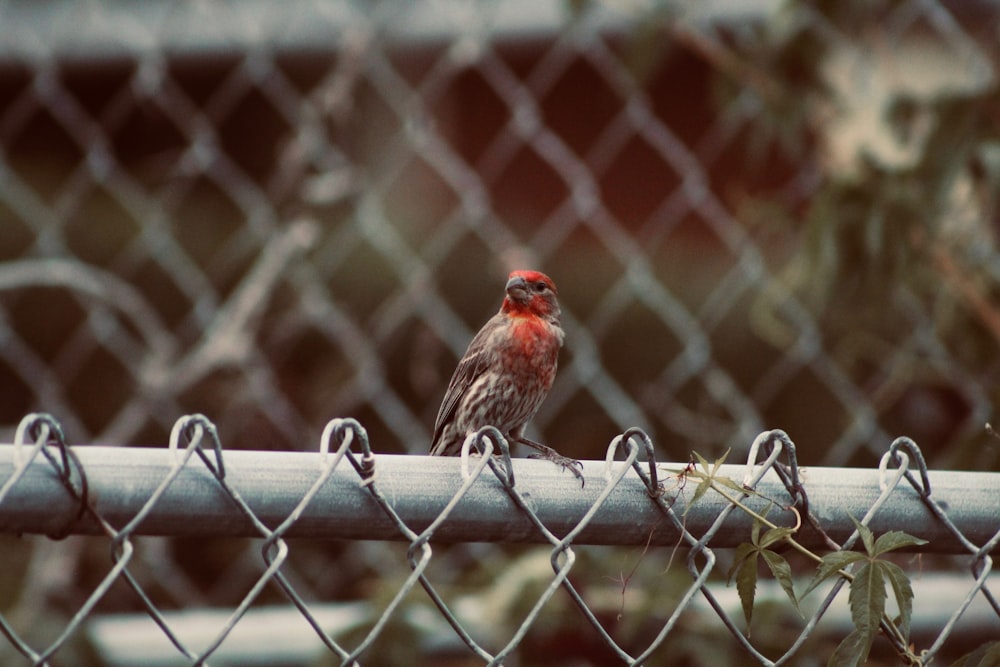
[540, 287]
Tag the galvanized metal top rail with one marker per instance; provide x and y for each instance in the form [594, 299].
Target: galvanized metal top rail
[132, 28]
[121, 481]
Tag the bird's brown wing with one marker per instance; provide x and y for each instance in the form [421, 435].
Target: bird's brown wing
[469, 369]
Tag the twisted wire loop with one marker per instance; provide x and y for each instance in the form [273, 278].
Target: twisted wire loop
[47, 432]
[659, 497]
[274, 549]
[483, 441]
[789, 474]
[562, 556]
[699, 548]
[888, 482]
[42, 425]
[562, 548]
[905, 449]
[197, 429]
[419, 555]
[887, 485]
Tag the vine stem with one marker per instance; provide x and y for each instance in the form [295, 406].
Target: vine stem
[770, 524]
[888, 625]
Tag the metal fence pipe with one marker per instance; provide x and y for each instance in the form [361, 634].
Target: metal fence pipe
[121, 480]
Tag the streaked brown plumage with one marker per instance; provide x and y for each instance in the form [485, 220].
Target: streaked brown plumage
[507, 370]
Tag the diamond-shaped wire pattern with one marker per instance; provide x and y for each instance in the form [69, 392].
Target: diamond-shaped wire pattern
[353, 492]
[277, 213]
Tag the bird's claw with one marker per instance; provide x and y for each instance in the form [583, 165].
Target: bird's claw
[563, 462]
[546, 452]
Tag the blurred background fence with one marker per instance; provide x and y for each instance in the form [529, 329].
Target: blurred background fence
[758, 215]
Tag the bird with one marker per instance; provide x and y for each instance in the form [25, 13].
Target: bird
[507, 371]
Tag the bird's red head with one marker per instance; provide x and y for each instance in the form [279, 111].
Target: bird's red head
[531, 292]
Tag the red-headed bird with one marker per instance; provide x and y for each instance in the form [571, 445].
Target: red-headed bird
[507, 370]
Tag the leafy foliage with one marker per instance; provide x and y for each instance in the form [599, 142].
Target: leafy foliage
[709, 476]
[868, 595]
[745, 566]
[986, 655]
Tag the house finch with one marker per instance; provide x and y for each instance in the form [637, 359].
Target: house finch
[507, 371]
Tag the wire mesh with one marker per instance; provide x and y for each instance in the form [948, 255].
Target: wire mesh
[274, 213]
[40, 457]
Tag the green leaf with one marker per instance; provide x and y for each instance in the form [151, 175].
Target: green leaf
[782, 572]
[743, 552]
[901, 589]
[830, 565]
[732, 484]
[755, 529]
[775, 535]
[699, 491]
[866, 535]
[895, 539]
[719, 461]
[746, 586]
[987, 655]
[853, 651]
[867, 598]
[758, 524]
[703, 462]
[706, 477]
[744, 569]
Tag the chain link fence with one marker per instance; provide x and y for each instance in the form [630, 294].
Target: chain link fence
[758, 215]
[195, 489]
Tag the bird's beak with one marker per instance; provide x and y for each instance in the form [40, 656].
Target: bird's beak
[517, 288]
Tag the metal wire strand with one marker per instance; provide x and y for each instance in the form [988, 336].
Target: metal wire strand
[195, 438]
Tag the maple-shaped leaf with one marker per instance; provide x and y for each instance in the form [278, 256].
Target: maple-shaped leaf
[744, 568]
[867, 595]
